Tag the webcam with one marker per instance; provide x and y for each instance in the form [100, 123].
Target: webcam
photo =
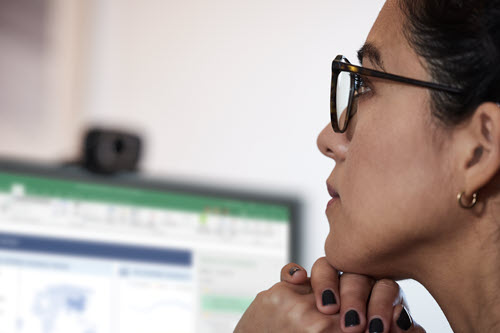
[108, 151]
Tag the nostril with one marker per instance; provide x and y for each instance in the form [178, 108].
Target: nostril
[332, 145]
[330, 153]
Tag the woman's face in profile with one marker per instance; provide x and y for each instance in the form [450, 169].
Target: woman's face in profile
[391, 166]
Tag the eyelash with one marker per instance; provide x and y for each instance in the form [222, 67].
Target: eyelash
[362, 83]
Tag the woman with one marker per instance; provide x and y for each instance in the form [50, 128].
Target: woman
[416, 185]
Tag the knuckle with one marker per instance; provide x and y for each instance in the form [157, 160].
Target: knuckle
[262, 297]
[353, 294]
[387, 284]
[277, 287]
[296, 313]
[321, 261]
[357, 281]
[356, 285]
[275, 295]
[322, 266]
[275, 299]
[323, 275]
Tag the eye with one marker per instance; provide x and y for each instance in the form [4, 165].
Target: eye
[362, 87]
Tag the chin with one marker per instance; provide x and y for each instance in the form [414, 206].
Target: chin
[341, 256]
[347, 255]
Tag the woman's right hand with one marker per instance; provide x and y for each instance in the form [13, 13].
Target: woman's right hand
[298, 304]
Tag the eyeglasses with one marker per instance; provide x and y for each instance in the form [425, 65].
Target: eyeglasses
[348, 85]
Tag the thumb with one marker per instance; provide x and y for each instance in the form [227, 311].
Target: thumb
[294, 274]
[295, 277]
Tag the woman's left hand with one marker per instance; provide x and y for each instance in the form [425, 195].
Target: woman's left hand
[286, 307]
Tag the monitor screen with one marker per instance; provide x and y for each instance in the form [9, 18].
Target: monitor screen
[85, 253]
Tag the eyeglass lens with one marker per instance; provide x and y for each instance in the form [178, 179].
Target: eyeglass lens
[343, 92]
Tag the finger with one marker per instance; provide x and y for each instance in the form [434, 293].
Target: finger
[354, 293]
[294, 274]
[325, 284]
[385, 295]
[402, 321]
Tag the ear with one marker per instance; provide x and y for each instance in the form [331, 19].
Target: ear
[478, 146]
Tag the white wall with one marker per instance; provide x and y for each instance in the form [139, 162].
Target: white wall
[232, 92]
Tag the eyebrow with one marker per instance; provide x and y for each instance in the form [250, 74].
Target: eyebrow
[370, 51]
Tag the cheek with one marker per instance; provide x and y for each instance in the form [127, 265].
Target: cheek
[389, 184]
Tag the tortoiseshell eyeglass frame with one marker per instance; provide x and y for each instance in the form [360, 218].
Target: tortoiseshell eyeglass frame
[341, 64]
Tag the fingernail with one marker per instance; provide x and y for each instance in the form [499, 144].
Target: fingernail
[328, 297]
[293, 270]
[351, 318]
[404, 321]
[376, 326]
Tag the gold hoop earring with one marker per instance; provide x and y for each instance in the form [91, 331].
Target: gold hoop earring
[469, 206]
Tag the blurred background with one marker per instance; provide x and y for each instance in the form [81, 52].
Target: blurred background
[231, 93]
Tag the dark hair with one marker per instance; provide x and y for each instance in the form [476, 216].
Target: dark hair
[460, 42]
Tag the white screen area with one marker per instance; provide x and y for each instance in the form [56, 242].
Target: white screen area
[83, 257]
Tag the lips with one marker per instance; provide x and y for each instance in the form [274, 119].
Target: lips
[335, 197]
[331, 190]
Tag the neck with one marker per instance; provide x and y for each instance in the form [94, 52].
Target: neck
[463, 275]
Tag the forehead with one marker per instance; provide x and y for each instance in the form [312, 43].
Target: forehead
[389, 16]
[387, 35]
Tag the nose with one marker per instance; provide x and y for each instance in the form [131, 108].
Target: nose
[333, 145]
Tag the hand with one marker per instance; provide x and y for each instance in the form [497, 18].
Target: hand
[287, 307]
[359, 299]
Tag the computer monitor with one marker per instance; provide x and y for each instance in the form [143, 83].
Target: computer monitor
[91, 254]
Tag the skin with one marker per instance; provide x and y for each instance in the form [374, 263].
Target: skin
[398, 172]
[295, 303]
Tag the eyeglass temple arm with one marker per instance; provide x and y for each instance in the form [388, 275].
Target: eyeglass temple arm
[382, 75]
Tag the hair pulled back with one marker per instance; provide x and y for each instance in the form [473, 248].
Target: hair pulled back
[460, 43]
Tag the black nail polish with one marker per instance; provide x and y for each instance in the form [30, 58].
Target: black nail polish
[328, 297]
[351, 318]
[404, 321]
[293, 270]
[376, 326]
